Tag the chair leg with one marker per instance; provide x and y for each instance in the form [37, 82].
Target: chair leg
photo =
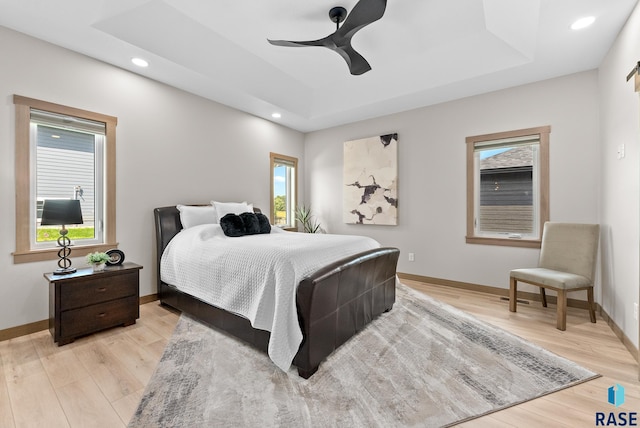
[543, 297]
[513, 292]
[561, 320]
[592, 312]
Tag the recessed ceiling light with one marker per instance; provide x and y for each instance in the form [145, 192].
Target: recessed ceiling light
[140, 62]
[583, 22]
[276, 115]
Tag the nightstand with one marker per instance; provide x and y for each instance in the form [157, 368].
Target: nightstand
[85, 301]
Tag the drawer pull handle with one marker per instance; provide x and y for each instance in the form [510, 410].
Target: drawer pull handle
[102, 289]
[101, 315]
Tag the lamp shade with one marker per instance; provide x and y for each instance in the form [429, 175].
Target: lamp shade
[61, 212]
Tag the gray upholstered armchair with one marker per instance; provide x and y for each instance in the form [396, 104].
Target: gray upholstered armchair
[567, 263]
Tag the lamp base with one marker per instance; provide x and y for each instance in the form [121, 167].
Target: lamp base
[64, 271]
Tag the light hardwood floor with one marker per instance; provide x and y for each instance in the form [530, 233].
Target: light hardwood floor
[98, 380]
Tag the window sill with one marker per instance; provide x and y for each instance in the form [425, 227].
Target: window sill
[52, 253]
[505, 242]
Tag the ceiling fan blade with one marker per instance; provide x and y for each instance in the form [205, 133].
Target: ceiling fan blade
[295, 44]
[356, 62]
[363, 13]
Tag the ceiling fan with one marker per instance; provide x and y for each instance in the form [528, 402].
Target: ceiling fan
[363, 13]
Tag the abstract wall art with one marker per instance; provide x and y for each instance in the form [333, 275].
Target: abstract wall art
[370, 194]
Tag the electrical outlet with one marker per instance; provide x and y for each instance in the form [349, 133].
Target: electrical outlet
[412, 257]
[621, 151]
[635, 311]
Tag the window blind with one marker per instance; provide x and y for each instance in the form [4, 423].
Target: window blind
[506, 142]
[283, 162]
[56, 120]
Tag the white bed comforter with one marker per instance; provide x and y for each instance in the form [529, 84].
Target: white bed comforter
[255, 276]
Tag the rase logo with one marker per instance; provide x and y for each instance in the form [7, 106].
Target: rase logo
[615, 397]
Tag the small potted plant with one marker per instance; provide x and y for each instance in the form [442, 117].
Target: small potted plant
[306, 219]
[98, 260]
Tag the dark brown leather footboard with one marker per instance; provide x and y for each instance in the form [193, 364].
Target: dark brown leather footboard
[337, 301]
[333, 304]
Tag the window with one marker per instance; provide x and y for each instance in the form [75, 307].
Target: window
[508, 187]
[284, 184]
[75, 146]
[63, 153]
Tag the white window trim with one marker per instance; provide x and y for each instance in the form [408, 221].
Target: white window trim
[535, 234]
[99, 189]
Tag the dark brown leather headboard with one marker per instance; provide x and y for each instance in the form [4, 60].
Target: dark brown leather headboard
[168, 225]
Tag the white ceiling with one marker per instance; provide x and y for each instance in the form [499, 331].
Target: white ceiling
[422, 52]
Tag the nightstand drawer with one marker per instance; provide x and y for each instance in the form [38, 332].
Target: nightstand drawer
[97, 317]
[97, 289]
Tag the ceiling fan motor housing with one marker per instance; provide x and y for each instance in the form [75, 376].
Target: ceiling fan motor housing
[337, 14]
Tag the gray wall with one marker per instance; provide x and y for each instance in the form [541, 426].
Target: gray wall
[620, 125]
[172, 147]
[432, 174]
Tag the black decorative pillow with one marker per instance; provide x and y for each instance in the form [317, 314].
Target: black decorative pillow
[250, 221]
[232, 225]
[263, 221]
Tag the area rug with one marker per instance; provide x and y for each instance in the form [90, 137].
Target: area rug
[424, 363]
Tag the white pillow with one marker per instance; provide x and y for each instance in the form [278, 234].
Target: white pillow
[193, 216]
[224, 208]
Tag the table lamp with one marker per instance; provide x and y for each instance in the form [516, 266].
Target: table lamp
[62, 212]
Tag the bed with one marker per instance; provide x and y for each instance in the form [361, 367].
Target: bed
[331, 304]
